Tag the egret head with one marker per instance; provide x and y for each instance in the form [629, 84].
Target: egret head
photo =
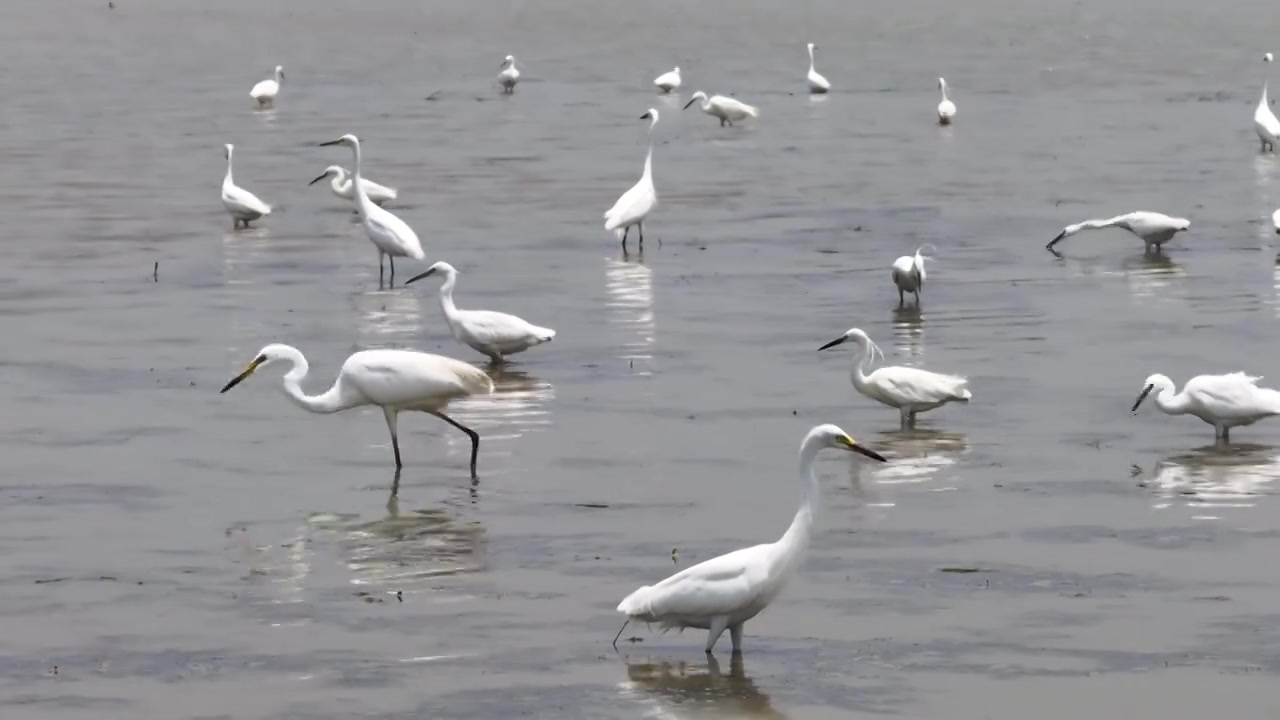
[440, 268]
[279, 72]
[857, 336]
[349, 140]
[1156, 382]
[508, 60]
[267, 355]
[650, 114]
[676, 70]
[332, 170]
[812, 47]
[695, 98]
[831, 436]
[227, 150]
[1180, 224]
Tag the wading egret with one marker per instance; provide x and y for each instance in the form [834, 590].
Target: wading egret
[1223, 401]
[242, 205]
[1153, 228]
[635, 204]
[264, 93]
[818, 85]
[1275, 221]
[392, 236]
[725, 108]
[910, 390]
[668, 81]
[946, 108]
[493, 333]
[341, 186]
[508, 75]
[395, 380]
[909, 274]
[1264, 121]
[726, 591]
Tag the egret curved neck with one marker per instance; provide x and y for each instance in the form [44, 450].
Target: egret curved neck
[810, 59]
[446, 298]
[796, 538]
[1172, 402]
[944, 92]
[860, 361]
[227, 180]
[326, 402]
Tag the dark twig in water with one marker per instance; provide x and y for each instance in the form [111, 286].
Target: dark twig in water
[155, 272]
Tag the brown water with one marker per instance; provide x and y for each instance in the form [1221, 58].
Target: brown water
[171, 552]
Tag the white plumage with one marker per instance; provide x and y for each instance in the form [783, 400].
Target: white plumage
[264, 93]
[726, 591]
[668, 81]
[635, 204]
[1264, 121]
[493, 333]
[242, 205]
[341, 186]
[910, 390]
[1223, 401]
[946, 108]
[1153, 228]
[909, 275]
[1275, 221]
[726, 109]
[818, 84]
[508, 75]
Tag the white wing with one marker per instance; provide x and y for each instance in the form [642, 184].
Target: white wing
[908, 385]
[634, 204]
[407, 378]
[500, 329]
[717, 586]
[266, 88]
[392, 233]
[1233, 395]
[735, 107]
[238, 198]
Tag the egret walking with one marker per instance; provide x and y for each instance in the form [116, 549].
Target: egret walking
[1264, 121]
[341, 186]
[725, 592]
[264, 93]
[946, 108]
[910, 390]
[1153, 228]
[242, 205]
[668, 81]
[818, 84]
[395, 380]
[493, 333]
[389, 234]
[725, 108]
[635, 204]
[909, 275]
[508, 75]
[1223, 401]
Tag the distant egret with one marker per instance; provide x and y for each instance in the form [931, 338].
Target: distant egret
[395, 380]
[508, 75]
[1275, 221]
[668, 81]
[909, 275]
[725, 108]
[635, 204]
[242, 205]
[1153, 228]
[264, 93]
[392, 236]
[910, 390]
[493, 333]
[946, 108]
[818, 84]
[1223, 401]
[1264, 121]
[341, 186]
[726, 591]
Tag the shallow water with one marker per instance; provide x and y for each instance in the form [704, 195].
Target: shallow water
[172, 552]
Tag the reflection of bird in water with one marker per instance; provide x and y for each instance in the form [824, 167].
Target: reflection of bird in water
[908, 331]
[402, 550]
[630, 304]
[689, 690]
[1211, 478]
[1153, 277]
[918, 455]
[520, 403]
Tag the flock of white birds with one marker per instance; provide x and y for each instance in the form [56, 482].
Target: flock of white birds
[726, 591]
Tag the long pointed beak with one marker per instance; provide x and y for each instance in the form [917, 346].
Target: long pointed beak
[313, 182]
[853, 445]
[686, 105]
[420, 276]
[1055, 240]
[833, 343]
[1141, 396]
[331, 142]
[240, 378]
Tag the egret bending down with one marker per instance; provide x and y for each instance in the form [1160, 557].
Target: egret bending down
[668, 81]
[508, 75]
[725, 108]
[264, 93]
[395, 380]
[910, 390]
[1223, 401]
[818, 84]
[1153, 228]
[493, 333]
[909, 275]
[635, 204]
[341, 186]
[242, 205]
[726, 591]
[946, 108]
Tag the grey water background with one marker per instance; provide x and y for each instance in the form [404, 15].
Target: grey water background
[169, 552]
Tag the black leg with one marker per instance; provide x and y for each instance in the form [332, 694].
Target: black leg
[392, 260]
[625, 231]
[381, 270]
[475, 438]
[640, 229]
[390, 415]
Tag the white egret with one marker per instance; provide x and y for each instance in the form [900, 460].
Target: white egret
[242, 205]
[946, 108]
[341, 186]
[818, 84]
[910, 390]
[635, 204]
[264, 93]
[1264, 121]
[668, 81]
[395, 380]
[1223, 401]
[1153, 228]
[508, 75]
[1275, 221]
[725, 108]
[909, 274]
[392, 236]
[726, 591]
[493, 333]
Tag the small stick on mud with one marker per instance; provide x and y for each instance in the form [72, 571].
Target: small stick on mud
[155, 272]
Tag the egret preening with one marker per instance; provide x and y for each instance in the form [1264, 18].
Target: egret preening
[726, 591]
[1264, 121]
[493, 333]
[635, 204]
[909, 274]
[341, 186]
[725, 108]
[508, 75]
[242, 205]
[395, 380]
[818, 85]
[946, 108]
[389, 234]
[668, 81]
[264, 93]
[910, 390]
[1223, 401]
[1153, 228]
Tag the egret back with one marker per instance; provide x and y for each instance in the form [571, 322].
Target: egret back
[391, 234]
[912, 386]
[1234, 395]
[719, 586]
[412, 380]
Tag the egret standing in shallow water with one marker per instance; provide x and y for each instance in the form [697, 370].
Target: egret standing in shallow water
[725, 592]
[1264, 121]
[389, 234]
[395, 380]
[818, 85]
[1155, 229]
[264, 93]
[1275, 221]
[493, 333]
[635, 204]
[910, 390]
[1223, 401]
[946, 108]
[668, 81]
[242, 205]
[341, 186]
[725, 108]
[508, 75]
[909, 275]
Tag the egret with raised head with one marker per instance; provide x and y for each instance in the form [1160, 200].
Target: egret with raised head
[635, 204]
[242, 205]
[508, 75]
[946, 108]
[818, 84]
[264, 93]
